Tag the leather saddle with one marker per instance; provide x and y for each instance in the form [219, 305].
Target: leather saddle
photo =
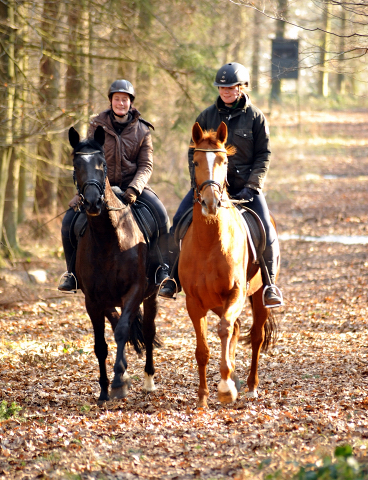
[142, 213]
[252, 224]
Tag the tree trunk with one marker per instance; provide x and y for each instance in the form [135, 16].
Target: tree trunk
[280, 33]
[256, 51]
[323, 74]
[9, 73]
[340, 75]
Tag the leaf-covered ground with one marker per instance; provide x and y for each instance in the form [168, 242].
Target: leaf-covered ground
[313, 384]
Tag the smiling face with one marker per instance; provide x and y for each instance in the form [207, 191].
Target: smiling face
[229, 94]
[120, 102]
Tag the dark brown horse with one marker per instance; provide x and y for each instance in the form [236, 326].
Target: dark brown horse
[216, 269]
[112, 268]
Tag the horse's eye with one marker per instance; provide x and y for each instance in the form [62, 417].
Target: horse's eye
[195, 164]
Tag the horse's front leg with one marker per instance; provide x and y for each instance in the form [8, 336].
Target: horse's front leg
[257, 334]
[202, 353]
[228, 331]
[101, 349]
[130, 313]
[150, 308]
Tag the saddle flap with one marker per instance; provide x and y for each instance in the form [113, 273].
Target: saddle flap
[146, 222]
[255, 228]
[77, 227]
[183, 225]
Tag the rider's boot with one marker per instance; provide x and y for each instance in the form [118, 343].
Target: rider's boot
[70, 280]
[162, 255]
[171, 285]
[272, 296]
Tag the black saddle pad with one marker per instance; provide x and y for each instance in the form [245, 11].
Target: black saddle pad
[253, 225]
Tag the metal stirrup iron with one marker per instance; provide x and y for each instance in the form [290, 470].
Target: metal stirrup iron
[278, 293]
[71, 274]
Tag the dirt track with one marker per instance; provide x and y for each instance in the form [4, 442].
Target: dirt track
[313, 385]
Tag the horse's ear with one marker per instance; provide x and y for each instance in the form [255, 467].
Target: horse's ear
[221, 133]
[73, 137]
[197, 133]
[100, 135]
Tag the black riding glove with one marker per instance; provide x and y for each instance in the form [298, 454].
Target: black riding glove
[246, 194]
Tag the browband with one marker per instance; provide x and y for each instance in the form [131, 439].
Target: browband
[210, 150]
[87, 153]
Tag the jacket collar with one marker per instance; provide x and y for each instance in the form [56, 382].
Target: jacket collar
[242, 106]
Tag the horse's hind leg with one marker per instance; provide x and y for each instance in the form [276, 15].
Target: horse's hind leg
[150, 308]
[202, 353]
[101, 350]
[113, 317]
[257, 334]
[232, 352]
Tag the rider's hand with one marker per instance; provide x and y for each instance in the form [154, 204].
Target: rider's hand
[74, 201]
[246, 194]
[130, 195]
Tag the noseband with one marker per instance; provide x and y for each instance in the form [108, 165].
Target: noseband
[100, 187]
[208, 183]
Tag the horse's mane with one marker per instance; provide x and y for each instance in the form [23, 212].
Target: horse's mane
[89, 142]
[210, 136]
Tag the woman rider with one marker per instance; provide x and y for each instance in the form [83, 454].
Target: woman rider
[247, 169]
[129, 157]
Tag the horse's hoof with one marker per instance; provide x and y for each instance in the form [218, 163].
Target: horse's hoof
[149, 384]
[253, 394]
[202, 403]
[104, 397]
[236, 380]
[119, 392]
[227, 392]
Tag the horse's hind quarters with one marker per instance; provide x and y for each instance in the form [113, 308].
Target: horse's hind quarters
[227, 391]
[149, 384]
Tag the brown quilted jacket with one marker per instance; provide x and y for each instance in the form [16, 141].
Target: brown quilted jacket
[129, 156]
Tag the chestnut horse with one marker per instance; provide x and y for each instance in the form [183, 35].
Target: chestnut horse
[216, 269]
[112, 268]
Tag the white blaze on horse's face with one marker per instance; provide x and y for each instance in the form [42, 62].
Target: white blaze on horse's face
[211, 157]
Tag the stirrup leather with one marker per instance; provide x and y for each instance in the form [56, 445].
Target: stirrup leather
[162, 284]
[71, 274]
[278, 291]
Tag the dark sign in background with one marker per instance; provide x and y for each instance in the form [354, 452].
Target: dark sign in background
[284, 58]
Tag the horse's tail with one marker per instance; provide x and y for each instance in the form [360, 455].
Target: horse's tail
[136, 337]
[270, 333]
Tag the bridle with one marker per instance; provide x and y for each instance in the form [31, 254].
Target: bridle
[100, 186]
[207, 183]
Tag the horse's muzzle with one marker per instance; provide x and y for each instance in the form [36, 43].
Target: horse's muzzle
[210, 207]
[93, 208]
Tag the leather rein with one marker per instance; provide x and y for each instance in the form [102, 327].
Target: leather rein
[209, 183]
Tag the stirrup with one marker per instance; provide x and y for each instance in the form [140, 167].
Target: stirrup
[162, 284]
[278, 291]
[162, 267]
[71, 274]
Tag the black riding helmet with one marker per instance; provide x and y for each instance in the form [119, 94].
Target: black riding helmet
[232, 74]
[122, 86]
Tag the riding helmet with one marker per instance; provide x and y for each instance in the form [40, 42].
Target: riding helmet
[122, 86]
[231, 74]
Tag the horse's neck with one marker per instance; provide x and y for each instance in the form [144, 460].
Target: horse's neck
[218, 231]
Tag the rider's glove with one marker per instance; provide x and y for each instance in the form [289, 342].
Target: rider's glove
[130, 195]
[246, 194]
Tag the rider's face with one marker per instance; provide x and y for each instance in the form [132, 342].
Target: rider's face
[229, 94]
[120, 103]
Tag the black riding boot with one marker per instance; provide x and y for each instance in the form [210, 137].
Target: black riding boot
[162, 255]
[171, 285]
[272, 297]
[69, 284]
